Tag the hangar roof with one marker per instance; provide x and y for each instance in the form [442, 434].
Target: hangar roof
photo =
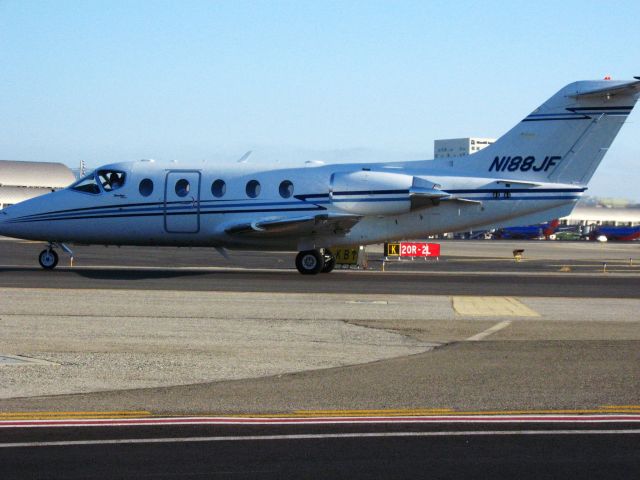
[35, 174]
[11, 195]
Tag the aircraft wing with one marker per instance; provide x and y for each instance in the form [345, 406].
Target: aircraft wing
[307, 225]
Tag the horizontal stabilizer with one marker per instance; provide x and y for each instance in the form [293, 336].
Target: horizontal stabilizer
[626, 88]
[424, 193]
[425, 197]
[464, 201]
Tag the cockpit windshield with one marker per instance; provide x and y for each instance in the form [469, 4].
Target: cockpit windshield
[87, 184]
[111, 179]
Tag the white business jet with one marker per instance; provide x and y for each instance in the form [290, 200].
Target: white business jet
[536, 171]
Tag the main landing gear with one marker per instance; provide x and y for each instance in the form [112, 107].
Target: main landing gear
[311, 262]
[48, 258]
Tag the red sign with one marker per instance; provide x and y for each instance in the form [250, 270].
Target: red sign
[419, 249]
[412, 249]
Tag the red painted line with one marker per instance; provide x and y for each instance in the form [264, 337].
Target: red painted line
[322, 420]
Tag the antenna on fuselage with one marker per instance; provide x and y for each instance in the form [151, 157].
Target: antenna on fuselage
[244, 157]
[313, 163]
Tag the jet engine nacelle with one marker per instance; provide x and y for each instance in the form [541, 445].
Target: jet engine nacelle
[382, 193]
[371, 193]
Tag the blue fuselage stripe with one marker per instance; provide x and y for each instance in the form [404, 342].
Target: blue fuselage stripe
[191, 208]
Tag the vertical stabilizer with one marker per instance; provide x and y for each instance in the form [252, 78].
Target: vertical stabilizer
[565, 138]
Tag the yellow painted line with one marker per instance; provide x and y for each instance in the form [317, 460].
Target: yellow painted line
[622, 407]
[479, 260]
[77, 416]
[366, 411]
[68, 415]
[347, 413]
[475, 306]
[536, 412]
[614, 263]
[434, 412]
[609, 409]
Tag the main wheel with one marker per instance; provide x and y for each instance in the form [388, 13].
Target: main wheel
[310, 262]
[329, 262]
[48, 259]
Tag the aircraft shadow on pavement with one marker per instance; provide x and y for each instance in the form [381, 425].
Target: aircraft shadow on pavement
[133, 273]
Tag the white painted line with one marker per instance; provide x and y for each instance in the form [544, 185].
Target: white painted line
[473, 419]
[318, 436]
[489, 331]
[430, 273]
[7, 360]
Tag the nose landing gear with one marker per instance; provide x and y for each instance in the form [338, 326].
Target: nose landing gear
[48, 258]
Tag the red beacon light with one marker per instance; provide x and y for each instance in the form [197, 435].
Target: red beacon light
[608, 77]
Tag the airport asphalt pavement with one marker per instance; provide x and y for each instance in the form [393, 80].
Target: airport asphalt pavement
[391, 450]
[354, 282]
[537, 339]
[487, 375]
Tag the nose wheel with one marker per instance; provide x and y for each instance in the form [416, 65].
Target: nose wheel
[48, 259]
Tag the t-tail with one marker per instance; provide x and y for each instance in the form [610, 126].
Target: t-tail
[563, 140]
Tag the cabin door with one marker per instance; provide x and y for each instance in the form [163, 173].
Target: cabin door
[182, 201]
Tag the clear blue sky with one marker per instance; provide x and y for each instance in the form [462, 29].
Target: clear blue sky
[116, 80]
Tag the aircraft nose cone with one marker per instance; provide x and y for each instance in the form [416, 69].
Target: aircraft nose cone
[24, 219]
[9, 224]
[5, 225]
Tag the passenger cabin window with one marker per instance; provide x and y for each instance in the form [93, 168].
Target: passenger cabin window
[286, 189]
[111, 179]
[182, 187]
[253, 188]
[87, 184]
[218, 188]
[146, 187]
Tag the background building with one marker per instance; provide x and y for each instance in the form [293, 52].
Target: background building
[584, 216]
[20, 181]
[459, 147]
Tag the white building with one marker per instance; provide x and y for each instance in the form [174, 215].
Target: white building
[584, 216]
[21, 181]
[459, 147]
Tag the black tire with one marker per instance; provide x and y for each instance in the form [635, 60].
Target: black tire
[310, 262]
[329, 262]
[48, 259]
